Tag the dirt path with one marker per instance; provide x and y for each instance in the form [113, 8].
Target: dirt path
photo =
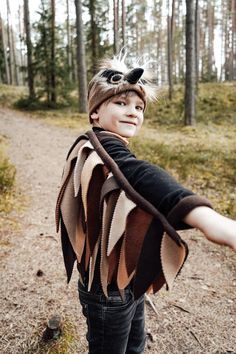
[199, 316]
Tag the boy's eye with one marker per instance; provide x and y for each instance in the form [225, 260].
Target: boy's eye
[140, 108]
[121, 103]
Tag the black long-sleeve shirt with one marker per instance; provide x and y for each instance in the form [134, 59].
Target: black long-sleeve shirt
[152, 182]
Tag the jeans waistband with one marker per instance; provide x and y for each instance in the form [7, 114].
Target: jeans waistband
[97, 292]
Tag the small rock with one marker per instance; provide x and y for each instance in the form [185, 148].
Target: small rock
[40, 273]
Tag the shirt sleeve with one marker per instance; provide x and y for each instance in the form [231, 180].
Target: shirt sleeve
[154, 184]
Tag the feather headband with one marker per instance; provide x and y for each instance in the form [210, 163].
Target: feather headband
[115, 77]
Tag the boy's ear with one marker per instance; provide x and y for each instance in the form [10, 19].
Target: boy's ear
[94, 115]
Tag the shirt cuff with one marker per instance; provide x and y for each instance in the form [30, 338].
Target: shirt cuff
[183, 208]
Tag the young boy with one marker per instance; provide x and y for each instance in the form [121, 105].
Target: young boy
[119, 215]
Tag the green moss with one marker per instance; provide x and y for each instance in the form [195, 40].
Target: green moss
[64, 344]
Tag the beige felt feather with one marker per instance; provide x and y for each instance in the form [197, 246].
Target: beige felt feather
[123, 207]
[91, 162]
[80, 237]
[81, 157]
[92, 263]
[70, 215]
[71, 157]
[172, 259]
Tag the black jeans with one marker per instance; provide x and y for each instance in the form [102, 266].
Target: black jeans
[115, 326]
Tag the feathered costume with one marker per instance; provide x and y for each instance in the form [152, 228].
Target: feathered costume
[104, 221]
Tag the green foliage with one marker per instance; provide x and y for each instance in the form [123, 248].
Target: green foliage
[44, 65]
[7, 178]
[97, 34]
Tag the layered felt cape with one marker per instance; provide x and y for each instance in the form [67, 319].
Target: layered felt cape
[100, 213]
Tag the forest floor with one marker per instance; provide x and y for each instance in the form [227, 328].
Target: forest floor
[198, 316]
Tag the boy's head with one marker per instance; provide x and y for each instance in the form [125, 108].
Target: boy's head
[121, 114]
[115, 80]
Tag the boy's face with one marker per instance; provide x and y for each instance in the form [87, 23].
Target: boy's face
[122, 114]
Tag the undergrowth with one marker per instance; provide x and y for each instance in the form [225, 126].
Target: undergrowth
[202, 160]
[64, 344]
[7, 179]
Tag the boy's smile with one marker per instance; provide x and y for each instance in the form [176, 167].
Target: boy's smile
[122, 114]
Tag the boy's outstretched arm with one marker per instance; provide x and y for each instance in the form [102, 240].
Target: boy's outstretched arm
[216, 227]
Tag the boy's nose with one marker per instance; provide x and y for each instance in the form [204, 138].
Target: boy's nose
[131, 111]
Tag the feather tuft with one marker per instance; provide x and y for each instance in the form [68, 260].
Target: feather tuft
[117, 63]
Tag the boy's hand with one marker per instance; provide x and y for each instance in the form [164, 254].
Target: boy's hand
[216, 227]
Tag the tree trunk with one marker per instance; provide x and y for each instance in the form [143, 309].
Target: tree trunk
[123, 22]
[68, 46]
[53, 97]
[233, 14]
[116, 26]
[6, 66]
[9, 44]
[93, 35]
[14, 59]
[190, 65]
[81, 64]
[227, 43]
[210, 53]
[196, 43]
[21, 36]
[29, 51]
[170, 29]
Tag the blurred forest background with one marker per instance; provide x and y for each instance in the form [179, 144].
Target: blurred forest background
[56, 50]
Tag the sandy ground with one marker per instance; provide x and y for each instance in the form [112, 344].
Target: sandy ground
[199, 316]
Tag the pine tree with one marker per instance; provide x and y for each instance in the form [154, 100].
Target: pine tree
[4, 67]
[50, 57]
[29, 51]
[81, 65]
[190, 65]
[97, 33]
